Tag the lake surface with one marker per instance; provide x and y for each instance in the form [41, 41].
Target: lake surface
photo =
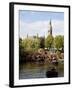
[38, 70]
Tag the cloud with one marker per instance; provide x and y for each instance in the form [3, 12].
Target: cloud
[40, 27]
[58, 27]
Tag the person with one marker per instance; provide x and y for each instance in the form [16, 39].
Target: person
[52, 73]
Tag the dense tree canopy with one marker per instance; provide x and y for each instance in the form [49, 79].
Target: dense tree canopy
[28, 46]
[42, 42]
[49, 41]
[59, 42]
[36, 43]
[31, 44]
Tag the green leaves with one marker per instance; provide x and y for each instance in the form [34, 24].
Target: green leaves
[30, 44]
[49, 41]
[56, 42]
[36, 43]
[59, 42]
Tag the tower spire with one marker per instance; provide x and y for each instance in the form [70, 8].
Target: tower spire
[50, 28]
[50, 21]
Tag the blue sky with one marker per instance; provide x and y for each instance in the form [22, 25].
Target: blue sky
[33, 22]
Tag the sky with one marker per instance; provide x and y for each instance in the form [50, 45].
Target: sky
[36, 22]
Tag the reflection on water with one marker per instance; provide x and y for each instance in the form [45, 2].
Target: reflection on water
[38, 70]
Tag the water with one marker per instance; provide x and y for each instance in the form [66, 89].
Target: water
[38, 70]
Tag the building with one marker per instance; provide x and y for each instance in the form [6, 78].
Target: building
[50, 28]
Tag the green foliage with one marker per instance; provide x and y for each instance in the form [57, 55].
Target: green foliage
[35, 44]
[59, 42]
[49, 41]
[42, 42]
[28, 45]
[31, 44]
[21, 52]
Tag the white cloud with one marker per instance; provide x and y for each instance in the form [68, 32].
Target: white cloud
[58, 27]
[40, 27]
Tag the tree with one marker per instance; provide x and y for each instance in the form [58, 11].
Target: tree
[35, 44]
[21, 52]
[21, 47]
[49, 41]
[24, 46]
[31, 44]
[59, 42]
[42, 42]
